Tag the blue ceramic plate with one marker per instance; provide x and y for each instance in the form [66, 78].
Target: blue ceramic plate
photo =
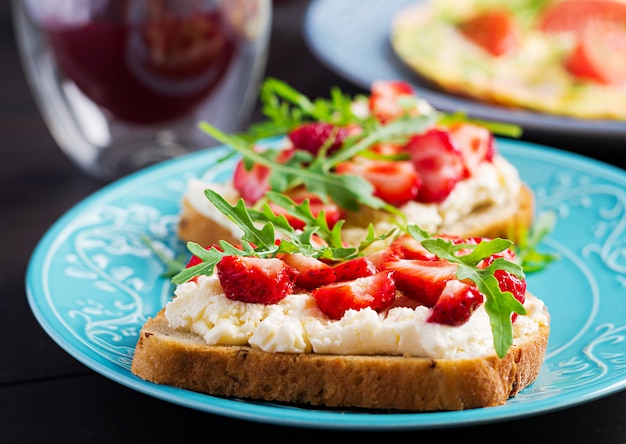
[92, 282]
[353, 39]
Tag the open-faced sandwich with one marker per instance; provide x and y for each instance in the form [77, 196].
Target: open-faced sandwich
[367, 160]
[562, 57]
[403, 321]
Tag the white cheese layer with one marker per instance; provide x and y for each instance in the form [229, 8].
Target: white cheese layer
[296, 325]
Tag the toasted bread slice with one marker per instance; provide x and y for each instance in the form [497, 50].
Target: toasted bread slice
[403, 383]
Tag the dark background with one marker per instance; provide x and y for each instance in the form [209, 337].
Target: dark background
[48, 396]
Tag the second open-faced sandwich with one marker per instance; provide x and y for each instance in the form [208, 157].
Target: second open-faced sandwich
[367, 159]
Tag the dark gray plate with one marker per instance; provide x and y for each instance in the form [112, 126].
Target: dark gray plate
[351, 37]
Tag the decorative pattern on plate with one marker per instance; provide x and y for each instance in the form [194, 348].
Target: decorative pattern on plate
[93, 281]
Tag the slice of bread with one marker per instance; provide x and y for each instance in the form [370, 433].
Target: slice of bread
[491, 221]
[401, 383]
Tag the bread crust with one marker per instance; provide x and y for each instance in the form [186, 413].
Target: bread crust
[401, 383]
[492, 221]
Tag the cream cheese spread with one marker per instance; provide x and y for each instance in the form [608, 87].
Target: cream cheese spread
[296, 325]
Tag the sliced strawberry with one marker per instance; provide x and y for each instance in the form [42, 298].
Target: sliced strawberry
[390, 253]
[421, 280]
[253, 183]
[376, 291]
[456, 303]
[313, 136]
[495, 31]
[412, 248]
[332, 212]
[258, 280]
[395, 182]
[508, 281]
[438, 162]
[386, 99]
[313, 272]
[476, 143]
[317, 241]
[354, 268]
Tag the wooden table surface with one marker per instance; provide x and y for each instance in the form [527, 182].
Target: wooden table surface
[48, 396]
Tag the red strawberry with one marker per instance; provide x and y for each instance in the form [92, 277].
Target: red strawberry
[395, 182]
[438, 162]
[313, 272]
[252, 279]
[354, 268]
[421, 280]
[456, 304]
[376, 291]
[312, 136]
[252, 184]
[509, 282]
[378, 258]
[317, 241]
[475, 142]
[506, 280]
[386, 97]
[412, 249]
[332, 212]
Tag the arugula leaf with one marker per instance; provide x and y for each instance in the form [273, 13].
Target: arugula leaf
[173, 266]
[209, 259]
[526, 248]
[499, 128]
[286, 108]
[264, 238]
